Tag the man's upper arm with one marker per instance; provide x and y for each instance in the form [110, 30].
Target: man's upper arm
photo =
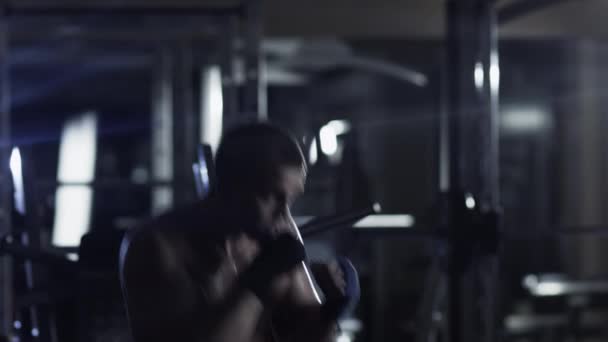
[303, 291]
[161, 298]
[299, 318]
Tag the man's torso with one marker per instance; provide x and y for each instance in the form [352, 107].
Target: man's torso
[193, 245]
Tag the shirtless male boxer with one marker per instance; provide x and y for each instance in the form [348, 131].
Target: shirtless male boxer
[232, 268]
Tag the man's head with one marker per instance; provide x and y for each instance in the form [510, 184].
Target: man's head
[261, 170]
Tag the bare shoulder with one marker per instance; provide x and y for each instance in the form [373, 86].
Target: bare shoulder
[165, 243]
[153, 264]
[160, 293]
[145, 249]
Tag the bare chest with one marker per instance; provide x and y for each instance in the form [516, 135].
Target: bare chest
[214, 278]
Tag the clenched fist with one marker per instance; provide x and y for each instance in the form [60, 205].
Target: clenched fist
[339, 282]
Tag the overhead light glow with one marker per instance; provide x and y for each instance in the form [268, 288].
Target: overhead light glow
[550, 288]
[312, 154]
[329, 140]
[544, 287]
[77, 150]
[329, 135]
[17, 173]
[77, 154]
[494, 73]
[343, 337]
[377, 207]
[530, 281]
[385, 221]
[339, 126]
[15, 161]
[479, 75]
[212, 110]
[524, 119]
[470, 201]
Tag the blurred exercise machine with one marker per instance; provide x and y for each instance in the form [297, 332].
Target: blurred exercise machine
[460, 304]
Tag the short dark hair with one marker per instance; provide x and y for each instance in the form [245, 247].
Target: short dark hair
[249, 156]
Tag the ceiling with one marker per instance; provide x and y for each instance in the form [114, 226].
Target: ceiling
[413, 19]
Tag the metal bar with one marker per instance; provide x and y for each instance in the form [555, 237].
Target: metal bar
[255, 105]
[230, 88]
[472, 94]
[443, 133]
[5, 178]
[112, 183]
[323, 224]
[453, 62]
[487, 267]
[37, 255]
[432, 300]
[29, 281]
[126, 11]
[488, 52]
[185, 137]
[161, 153]
[527, 233]
[30, 237]
[523, 7]
[143, 36]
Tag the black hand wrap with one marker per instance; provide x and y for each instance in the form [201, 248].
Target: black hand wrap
[277, 256]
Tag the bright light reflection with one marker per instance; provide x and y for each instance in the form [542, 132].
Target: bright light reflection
[329, 140]
[494, 73]
[312, 154]
[549, 288]
[17, 173]
[386, 221]
[77, 154]
[470, 202]
[524, 119]
[343, 338]
[479, 75]
[212, 107]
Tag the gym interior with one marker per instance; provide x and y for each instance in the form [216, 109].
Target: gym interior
[454, 149]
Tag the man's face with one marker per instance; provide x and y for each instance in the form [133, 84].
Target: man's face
[273, 206]
[271, 211]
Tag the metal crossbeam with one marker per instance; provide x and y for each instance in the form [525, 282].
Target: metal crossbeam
[121, 11]
[522, 7]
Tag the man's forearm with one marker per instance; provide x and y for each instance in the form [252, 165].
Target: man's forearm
[240, 309]
[302, 317]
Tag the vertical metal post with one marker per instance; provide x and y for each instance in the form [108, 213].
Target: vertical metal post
[472, 119]
[162, 132]
[443, 130]
[488, 98]
[6, 276]
[455, 67]
[488, 268]
[473, 71]
[255, 100]
[185, 125]
[230, 89]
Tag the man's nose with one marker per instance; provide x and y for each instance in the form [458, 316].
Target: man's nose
[284, 222]
[282, 212]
